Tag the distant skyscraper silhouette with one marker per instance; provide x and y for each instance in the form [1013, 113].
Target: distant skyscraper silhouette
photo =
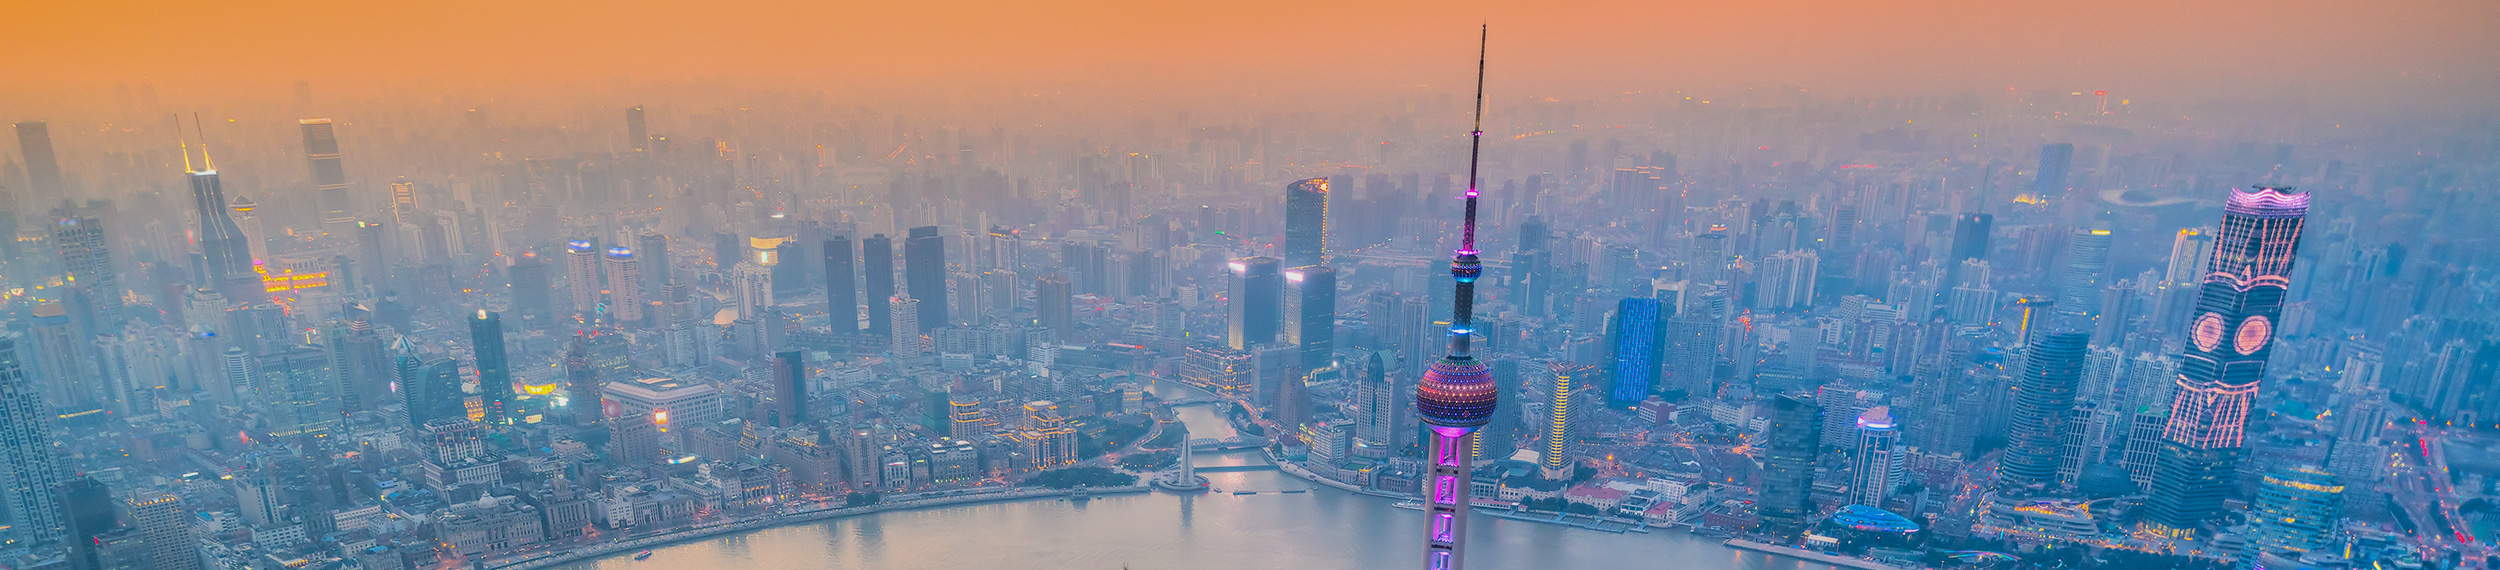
[924, 272]
[87, 259]
[227, 256]
[841, 285]
[876, 265]
[321, 150]
[2044, 398]
[2230, 336]
[637, 133]
[625, 306]
[494, 369]
[2056, 160]
[2079, 282]
[581, 274]
[43, 170]
[1306, 222]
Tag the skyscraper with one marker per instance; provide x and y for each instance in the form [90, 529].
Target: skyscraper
[2079, 282]
[224, 252]
[906, 326]
[2295, 513]
[1310, 313]
[166, 525]
[91, 511]
[1879, 464]
[625, 304]
[924, 272]
[581, 274]
[1457, 395]
[30, 467]
[637, 133]
[1375, 405]
[1640, 343]
[841, 285]
[1306, 222]
[43, 170]
[2043, 399]
[789, 389]
[1253, 291]
[321, 150]
[652, 249]
[2056, 159]
[2219, 370]
[494, 370]
[87, 259]
[751, 280]
[1053, 306]
[876, 264]
[1557, 463]
[531, 290]
[1789, 448]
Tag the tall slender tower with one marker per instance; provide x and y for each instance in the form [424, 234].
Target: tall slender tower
[581, 274]
[1306, 222]
[1457, 395]
[494, 369]
[227, 256]
[624, 287]
[2231, 335]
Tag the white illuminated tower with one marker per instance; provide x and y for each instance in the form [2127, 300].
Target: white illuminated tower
[625, 287]
[1457, 395]
[581, 274]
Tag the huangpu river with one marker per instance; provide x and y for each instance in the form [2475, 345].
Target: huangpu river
[1320, 529]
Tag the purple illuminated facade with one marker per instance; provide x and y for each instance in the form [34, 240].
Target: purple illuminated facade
[2231, 334]
[1457, 394]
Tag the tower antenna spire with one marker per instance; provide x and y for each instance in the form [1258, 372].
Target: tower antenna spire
[206, 164]
[1464, 266]
[1457, 395]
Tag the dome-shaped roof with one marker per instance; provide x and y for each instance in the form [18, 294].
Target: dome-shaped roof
[2101, 481]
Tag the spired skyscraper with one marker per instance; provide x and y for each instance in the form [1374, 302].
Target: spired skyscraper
[1458, 394]
[2230, 335]
[225, 256]
[1306, 222]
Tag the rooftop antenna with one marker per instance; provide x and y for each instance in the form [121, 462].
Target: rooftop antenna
[210, 164]
[1465, 266]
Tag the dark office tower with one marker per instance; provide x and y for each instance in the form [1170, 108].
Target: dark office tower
[1639, 332]
[841, 285]
[428, 390]
[87, 259]
[2044, 403]
[2079, 282]
[652, 248]
[30, 468]
[1789, 448]
[1970, 237]
[321, 149]
[924, 272]
[2056, 160]
[1311, 313]
[1306, 223]
[90, 507]
[1053, 307]
[1254, 292]
[532, 294]
[43, 171]
[1708, 262]
[876, 264]
[494, 370]
[637, 133]
[727, 250]
[226, 259]
[789, 389]
[2230, 337]
[1533, 234]
[1527, 287]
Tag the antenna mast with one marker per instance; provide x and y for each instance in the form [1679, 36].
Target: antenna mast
[1465, 266]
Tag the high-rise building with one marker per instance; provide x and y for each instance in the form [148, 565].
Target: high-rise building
[321, 150]
[2357, 456]
[1310, 314]
[1879, 464]
[2225, 358]
[43, 170]
[906, 325]
[91, 512]
[403, 205]
[31, 468]
[637, 132]
[625, 306]
[652, 249]
[1639, 331]
[1054, 308]
[2043, 398]
[1789, 448]
[1557, 461]
[2056, 160]
[161, 518]
[494, 369]
[581, 274]
[1457, 395]
[789, 389]
[2079, 282]
[841, 285]
[532, 293]
[1306, 222]
[924, 273]
[876, 266]
[2295, 514]
[225, 254]
[87, 261]
[1376, 405]
[1254, 289]
[752, 278]
[1788, 279]
[634, 439]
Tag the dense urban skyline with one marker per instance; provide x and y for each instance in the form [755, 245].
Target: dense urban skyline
[1955, 285]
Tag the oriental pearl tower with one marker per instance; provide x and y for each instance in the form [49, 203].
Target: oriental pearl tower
[1457, 394]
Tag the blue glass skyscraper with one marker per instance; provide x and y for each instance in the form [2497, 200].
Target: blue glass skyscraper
[1639, 343]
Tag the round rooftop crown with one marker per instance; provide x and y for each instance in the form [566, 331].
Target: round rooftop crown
[1457, 393]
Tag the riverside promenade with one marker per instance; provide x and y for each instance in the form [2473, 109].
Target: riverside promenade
[717, 528]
